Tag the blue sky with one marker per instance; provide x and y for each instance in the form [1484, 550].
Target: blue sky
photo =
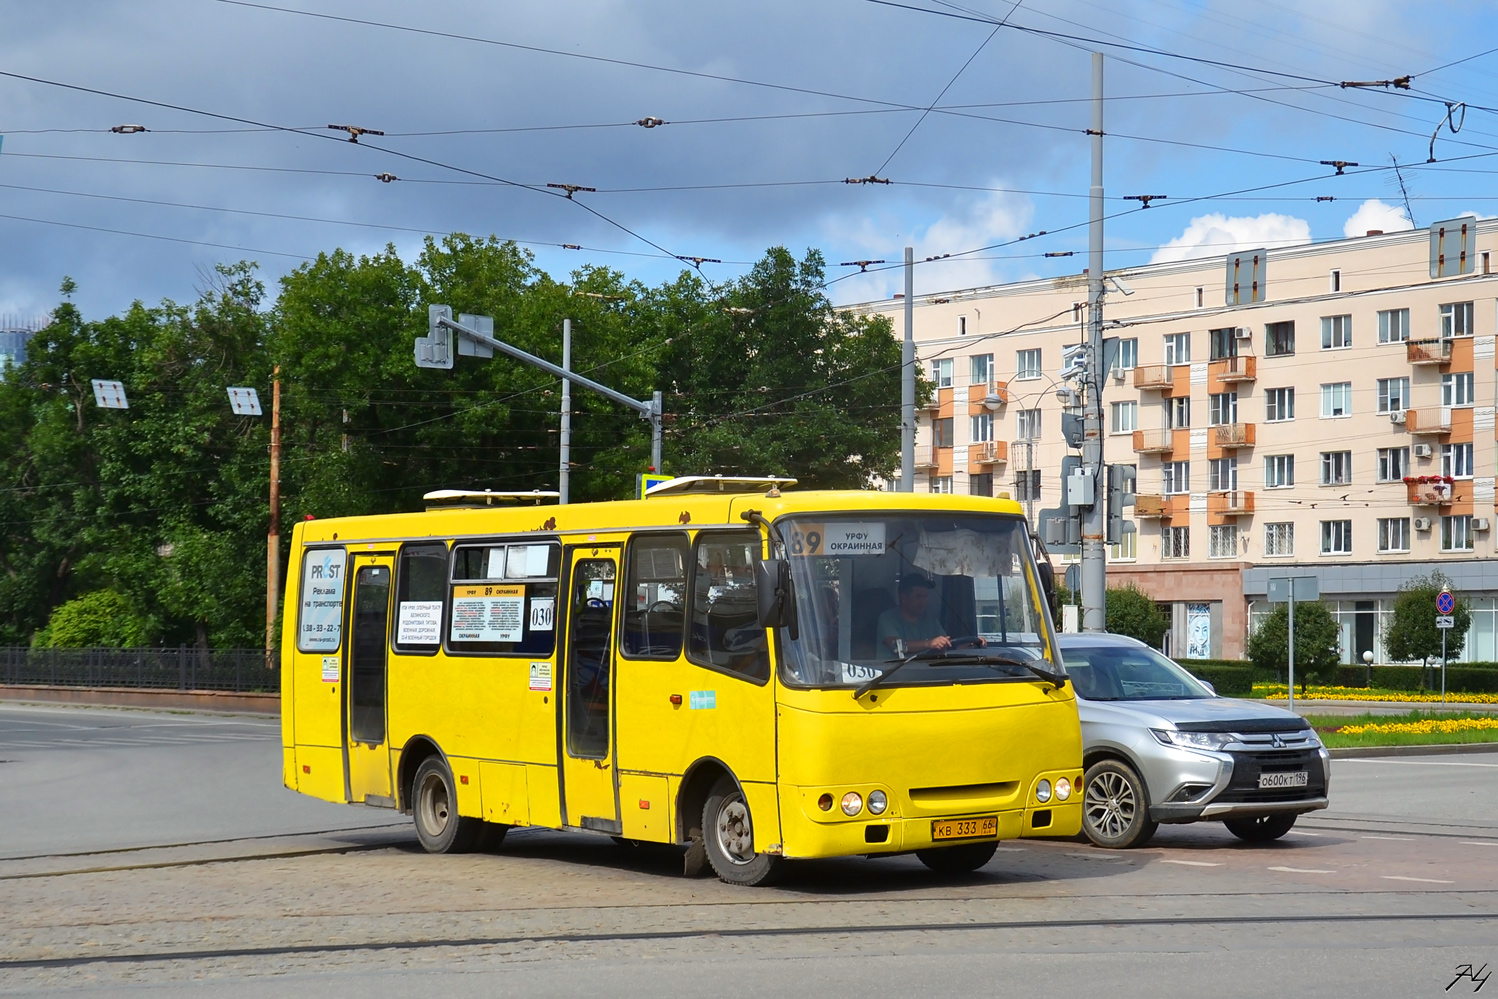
[768, 107]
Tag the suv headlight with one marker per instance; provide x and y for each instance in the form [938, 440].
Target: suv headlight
[1192, 740]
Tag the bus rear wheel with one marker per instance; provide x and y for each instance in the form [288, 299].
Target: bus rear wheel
[728, 837]
[435, 808]
[957, 859]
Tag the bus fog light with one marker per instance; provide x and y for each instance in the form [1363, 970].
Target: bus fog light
[878, 802]
[1043, 791]
[852, 803]
[1063, 788]
[825, 802]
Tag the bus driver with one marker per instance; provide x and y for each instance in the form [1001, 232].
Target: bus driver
[912, 627]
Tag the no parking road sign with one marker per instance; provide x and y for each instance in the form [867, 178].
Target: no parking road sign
[1445, 603]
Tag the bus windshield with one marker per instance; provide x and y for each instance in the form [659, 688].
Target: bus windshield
[960, 594]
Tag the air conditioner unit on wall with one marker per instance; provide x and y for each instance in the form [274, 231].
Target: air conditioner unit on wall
[1420, 450]
[1422, 523]
[1243, 333]
[1479, 523]
[1397, 416]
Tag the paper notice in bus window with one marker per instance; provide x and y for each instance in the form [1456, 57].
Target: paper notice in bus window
[543, 613]
[319, 627]
[494, 568]
[854, 539]
[419, 623]
[488, 613]
[529, 560]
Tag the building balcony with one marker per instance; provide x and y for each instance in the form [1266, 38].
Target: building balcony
[925, 456]
[1244, 368]
[1436, 420]
[1154, 377]
[1154, 507]
[1154, 441]
[989, 453]
[1231, 435]
[1428, 351]
[1430, 490]
[1234, 503]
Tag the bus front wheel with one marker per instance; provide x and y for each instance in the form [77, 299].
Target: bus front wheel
[728, 837]
[957, 859]
[435, 806]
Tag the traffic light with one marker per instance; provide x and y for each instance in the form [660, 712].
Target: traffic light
[435, 350]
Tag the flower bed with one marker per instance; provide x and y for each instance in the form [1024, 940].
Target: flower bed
[1370, 694]
[1428, 726]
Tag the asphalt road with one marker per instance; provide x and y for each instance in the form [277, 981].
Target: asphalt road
[159, 853]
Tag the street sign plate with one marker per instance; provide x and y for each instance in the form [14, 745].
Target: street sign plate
[1445, 604]
[109, 394]
[1306, 588]
[244, 401]
[1445, 621]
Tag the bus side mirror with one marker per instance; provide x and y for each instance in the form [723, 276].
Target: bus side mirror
[1048, 588]
[776, 594]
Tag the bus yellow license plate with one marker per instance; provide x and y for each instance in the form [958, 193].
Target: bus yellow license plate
[983, 825]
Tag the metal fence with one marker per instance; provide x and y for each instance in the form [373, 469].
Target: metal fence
[182, 668]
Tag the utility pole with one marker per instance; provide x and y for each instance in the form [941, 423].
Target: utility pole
[273, 539]
[564, 472]
[907, 380]
[1094, 555]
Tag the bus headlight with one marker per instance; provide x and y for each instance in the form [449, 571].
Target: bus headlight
[878, 802]
[852, 803]
[1043, 791]
[1063, 788]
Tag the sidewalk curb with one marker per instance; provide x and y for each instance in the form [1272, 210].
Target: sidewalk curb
[217, 701]
[1442, 749]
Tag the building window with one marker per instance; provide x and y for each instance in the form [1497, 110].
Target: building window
[1224, 343]
[941, 432]
[1279, 539]
[962, 325]
[1336, 332]
[982, 368]
[1393, 394]
[1279, 339]
[1393, 534]
[1027, 424]
[1128, 478]
[1456, 533]
[1336, 280]
[1279, 471]
[1456, 319]
[1027, 363]
[1336, 468]
[1178, 348]
[1222, 541]
[980, 484]
[1175, 542]
[1222, 475]
[1456, 389]
[1279, 405]
[941, 483]
[1336, 537]
[1456, 460]
[1127, 549]
[1123, 417]
[1175, 477]
[1178, 412]
[1128, 354]
[1393, 464]
[1336, 400]
[1027, 485]
[941, 372]
[1393, 325]
[1222, 409]
[982, 428]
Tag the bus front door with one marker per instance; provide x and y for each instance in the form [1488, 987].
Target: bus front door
[366, 755]
[589, 798]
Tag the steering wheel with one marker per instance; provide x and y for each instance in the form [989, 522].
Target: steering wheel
[968, 642]
[662, 605]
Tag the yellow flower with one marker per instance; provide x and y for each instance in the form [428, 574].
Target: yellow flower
[1428, 726]
[1365, 694]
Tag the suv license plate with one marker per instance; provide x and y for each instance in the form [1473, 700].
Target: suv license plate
[982, 825]
[1298, 779]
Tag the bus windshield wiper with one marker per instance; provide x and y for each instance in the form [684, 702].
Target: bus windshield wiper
[944, 658]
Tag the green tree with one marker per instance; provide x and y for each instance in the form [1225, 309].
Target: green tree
[1317, 642]
[97, 619]
[1133, 612]
[1412, 633]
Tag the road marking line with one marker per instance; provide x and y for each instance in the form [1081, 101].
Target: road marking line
[1096, 856]
[1429, 881]
[1009, 849]
[1301, 870]
[1301, 832]
[1191, 863]
[1413, 763]
[1400, 839]
[1480, 842]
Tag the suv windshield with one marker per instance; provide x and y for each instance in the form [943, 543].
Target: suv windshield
[960, 593]
[1129, 673]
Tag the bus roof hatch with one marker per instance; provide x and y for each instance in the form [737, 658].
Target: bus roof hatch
[449, 498]
[718, 484]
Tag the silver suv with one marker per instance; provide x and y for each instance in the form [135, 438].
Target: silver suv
[1159, 745]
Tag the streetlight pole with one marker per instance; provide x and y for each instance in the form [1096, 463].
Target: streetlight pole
[907, 381]
[1094, 555]
[564, 472]
[273, 538]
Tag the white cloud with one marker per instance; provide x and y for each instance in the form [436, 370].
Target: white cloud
[1218, 235]
[1374, 214]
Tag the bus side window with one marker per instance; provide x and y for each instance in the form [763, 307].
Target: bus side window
[420, 596]
[725, 630]
[656, 596]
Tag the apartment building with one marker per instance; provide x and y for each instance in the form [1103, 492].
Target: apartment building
[1341, 426]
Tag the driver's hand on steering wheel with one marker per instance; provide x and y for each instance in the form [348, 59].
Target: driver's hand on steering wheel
[940, 642]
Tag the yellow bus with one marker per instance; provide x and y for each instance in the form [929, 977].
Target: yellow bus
[755, 673]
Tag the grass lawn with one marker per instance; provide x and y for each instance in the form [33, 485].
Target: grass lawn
[1427, 727]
